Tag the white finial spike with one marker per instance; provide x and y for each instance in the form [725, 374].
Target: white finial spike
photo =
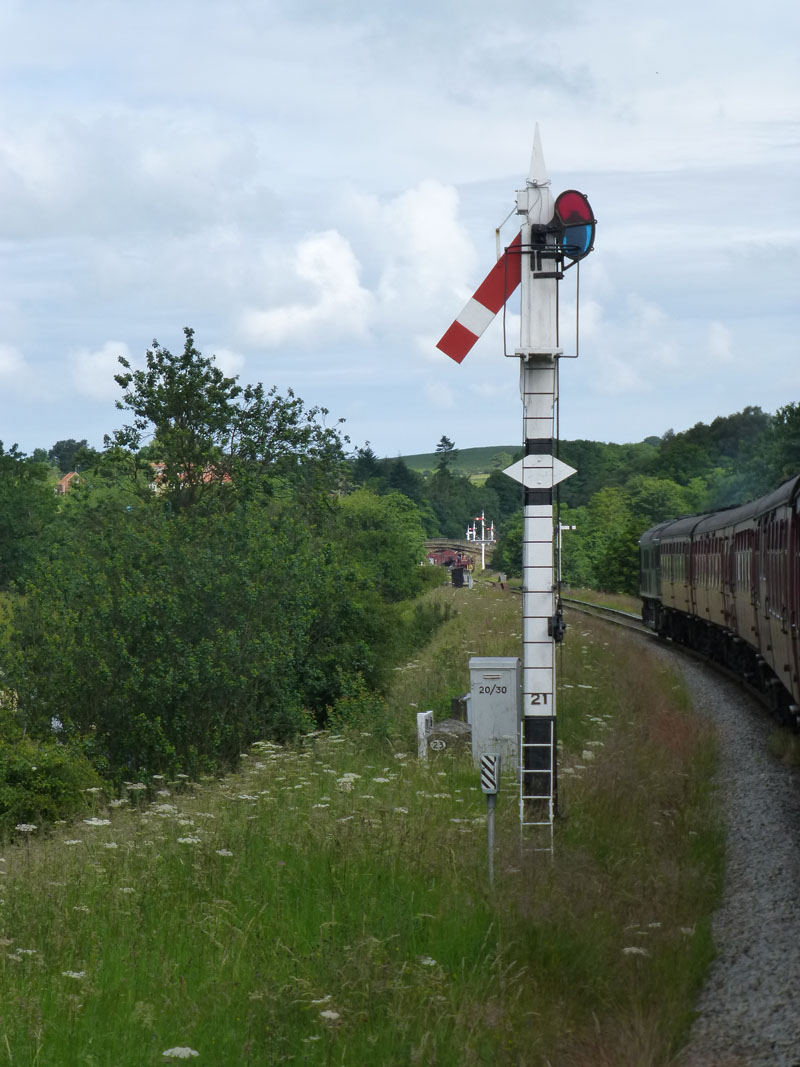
[538, 171]
[536, 200]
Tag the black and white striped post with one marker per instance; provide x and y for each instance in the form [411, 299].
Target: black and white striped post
[490, 784]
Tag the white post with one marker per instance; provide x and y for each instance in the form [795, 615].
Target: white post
[538, 471]
[424, 727]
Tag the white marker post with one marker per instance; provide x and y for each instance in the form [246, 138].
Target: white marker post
[550, 232]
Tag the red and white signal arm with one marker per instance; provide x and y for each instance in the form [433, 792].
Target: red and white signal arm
[481, 308]
[574, 227]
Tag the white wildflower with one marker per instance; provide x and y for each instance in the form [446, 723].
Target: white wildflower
[74, 974]
[401, 811]
[180, 1052]
[97, 822]
[135, 787]
[224, 852]
[320, 805]
[427, 961]
[401, 755]
[634, 950]
[25, 827]
[188, 840]
[587, 754]
[117, 803]
[74, 841]
[126, 889]
[381, 780]
[345, 784]
[330, 1016]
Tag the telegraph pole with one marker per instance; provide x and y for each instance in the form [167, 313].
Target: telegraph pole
[551, 232]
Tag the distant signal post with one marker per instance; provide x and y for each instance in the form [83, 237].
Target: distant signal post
[552, 232]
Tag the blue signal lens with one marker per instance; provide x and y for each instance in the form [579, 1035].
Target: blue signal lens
[576, 241]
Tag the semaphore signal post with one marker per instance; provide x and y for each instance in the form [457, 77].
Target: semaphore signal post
[554, 234]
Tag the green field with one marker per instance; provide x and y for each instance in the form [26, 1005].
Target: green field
[469, 460]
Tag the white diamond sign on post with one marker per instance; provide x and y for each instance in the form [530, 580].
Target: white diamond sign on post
[552, 232]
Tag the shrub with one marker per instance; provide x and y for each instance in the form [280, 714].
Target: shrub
[41, 781]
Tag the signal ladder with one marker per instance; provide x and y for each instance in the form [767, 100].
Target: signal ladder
[537, 774]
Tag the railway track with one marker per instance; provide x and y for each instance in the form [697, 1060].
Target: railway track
[625, 619]
[629, 621]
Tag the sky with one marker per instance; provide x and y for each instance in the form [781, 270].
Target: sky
[314, 188]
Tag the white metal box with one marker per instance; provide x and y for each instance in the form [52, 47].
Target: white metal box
[495, 706]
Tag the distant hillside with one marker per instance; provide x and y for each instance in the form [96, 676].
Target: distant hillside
[469, 461]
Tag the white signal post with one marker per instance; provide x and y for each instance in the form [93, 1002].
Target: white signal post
[534, 258]
[538, 471]
[483, 540]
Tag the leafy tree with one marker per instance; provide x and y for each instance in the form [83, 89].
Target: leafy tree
[212, 434]
[64, 454]
[507, 496]
[27, 506]
[785, 445]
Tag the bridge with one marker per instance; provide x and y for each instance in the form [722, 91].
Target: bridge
[469, 548]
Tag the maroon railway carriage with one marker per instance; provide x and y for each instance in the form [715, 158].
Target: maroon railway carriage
[728, 584]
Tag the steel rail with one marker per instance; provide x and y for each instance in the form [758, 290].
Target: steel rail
[625, 619]
[628, 621]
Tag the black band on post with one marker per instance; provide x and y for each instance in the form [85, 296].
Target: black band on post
[538, 496]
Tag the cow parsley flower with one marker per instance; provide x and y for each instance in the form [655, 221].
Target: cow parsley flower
[180, 1052]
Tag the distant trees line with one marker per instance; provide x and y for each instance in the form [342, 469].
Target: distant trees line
[621, 490]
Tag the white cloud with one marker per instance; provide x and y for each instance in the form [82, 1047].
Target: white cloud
[93, 371]
[13, 369]
[439, 396]
[229, 362]
[341, 308]
[719, 343]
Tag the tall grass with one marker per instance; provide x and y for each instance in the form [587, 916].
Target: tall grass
[330, 903]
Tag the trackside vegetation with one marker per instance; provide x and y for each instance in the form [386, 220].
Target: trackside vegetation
[213, 579]
[329, 902]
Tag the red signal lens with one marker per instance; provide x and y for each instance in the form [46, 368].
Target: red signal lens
[573, 209]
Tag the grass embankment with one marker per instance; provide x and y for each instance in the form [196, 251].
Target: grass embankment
[330, 905]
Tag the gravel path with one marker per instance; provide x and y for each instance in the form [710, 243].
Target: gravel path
[749, 1012]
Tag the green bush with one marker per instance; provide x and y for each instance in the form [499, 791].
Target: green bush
[358, 708]
[41, 781]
